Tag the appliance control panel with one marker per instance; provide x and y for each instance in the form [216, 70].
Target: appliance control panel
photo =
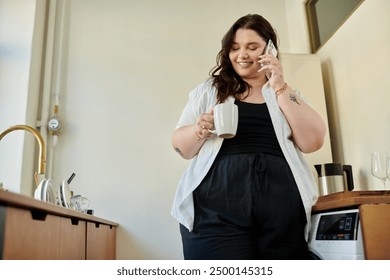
[338, 226]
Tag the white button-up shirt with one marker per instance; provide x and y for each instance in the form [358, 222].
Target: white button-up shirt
[201, 100]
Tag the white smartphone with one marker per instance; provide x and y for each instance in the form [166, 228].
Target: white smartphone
[271, 48]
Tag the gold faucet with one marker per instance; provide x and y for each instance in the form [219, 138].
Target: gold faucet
[38, 136]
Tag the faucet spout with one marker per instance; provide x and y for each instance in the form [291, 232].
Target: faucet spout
[38, 136]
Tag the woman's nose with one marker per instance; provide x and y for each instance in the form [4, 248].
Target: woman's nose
[243, 54]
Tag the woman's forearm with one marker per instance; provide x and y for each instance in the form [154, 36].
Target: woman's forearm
[187, 142]
[308, 128]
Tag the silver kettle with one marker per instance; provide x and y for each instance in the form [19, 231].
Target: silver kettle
[334, 178]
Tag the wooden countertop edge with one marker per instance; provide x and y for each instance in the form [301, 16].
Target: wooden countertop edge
[350, 199]
[23, 201]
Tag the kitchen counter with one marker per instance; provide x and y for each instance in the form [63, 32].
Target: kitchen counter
[349, 199]
[34, 229]
[26, 202]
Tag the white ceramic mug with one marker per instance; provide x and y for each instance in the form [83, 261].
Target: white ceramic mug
[225, 120]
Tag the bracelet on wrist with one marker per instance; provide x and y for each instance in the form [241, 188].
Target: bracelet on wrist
[281, 90]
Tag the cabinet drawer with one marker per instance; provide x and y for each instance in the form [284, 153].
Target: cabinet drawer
[72, 239]
[101, 241]
[30, 234]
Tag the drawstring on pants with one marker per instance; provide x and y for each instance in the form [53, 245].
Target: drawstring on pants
[261, 174]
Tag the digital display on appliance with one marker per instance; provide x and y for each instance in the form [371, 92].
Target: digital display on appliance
[338, 227]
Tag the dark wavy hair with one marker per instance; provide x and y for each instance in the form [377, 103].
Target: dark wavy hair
[225, 79]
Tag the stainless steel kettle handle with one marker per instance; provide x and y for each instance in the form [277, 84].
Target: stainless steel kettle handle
[348, 171]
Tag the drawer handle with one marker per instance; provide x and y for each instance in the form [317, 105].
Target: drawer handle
[75, 221]
[38, 215]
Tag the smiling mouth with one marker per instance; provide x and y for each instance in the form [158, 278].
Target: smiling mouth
[244, 63]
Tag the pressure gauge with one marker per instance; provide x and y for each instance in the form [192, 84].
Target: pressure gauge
[54, 125]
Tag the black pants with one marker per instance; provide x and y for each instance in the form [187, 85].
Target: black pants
[247, 207]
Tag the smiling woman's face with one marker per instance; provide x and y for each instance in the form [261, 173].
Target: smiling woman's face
[246, 48]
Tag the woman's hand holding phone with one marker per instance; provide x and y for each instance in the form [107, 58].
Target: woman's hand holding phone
[270, 49]
[271, 65]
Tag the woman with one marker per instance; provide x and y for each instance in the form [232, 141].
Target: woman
[248, 197]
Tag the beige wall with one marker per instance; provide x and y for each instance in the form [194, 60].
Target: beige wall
[356, 67]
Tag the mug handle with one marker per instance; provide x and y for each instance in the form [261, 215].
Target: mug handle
[213, 131]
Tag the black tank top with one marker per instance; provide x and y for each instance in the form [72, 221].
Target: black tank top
[255, 132]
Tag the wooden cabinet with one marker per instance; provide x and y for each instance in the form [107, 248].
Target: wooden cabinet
[100, 241]
[375, 222]
[28, 238]
[374, 214]
[32, 229]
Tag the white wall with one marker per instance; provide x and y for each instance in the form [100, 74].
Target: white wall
[297, 30]
[21, 48]
[15, 59]
[356, 67]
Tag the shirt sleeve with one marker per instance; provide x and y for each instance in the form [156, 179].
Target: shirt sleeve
[198, 99]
